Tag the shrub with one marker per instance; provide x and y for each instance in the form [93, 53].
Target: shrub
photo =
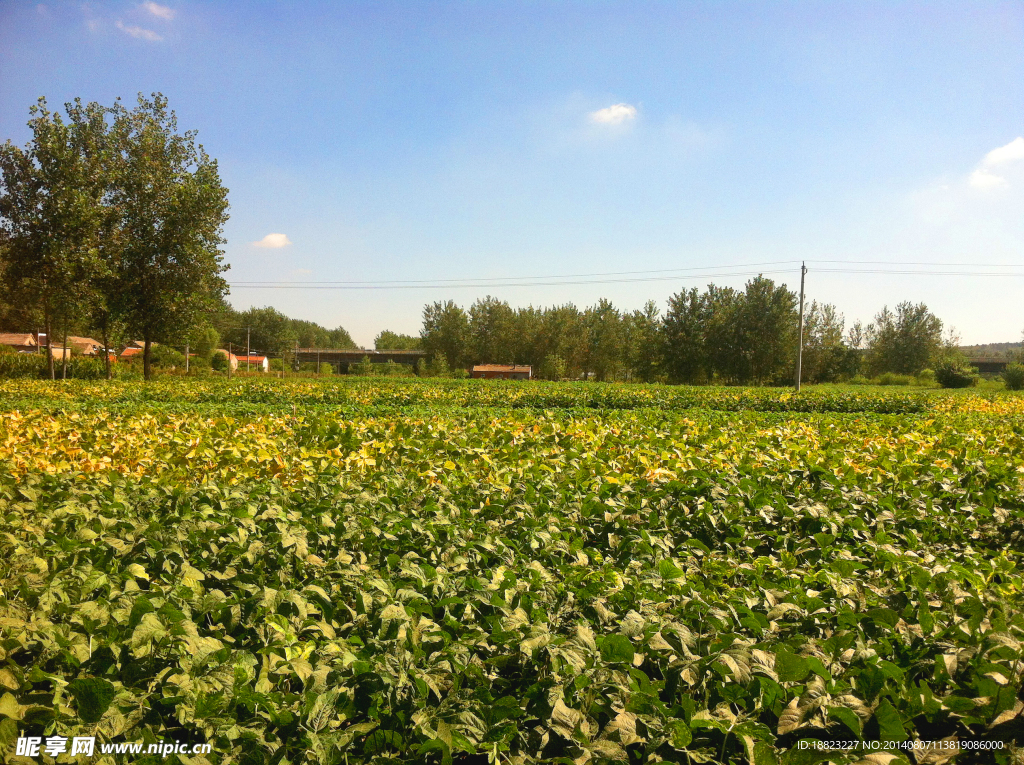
[219, 361]
[1014, 376]
[859, 380]
[277, 365]
[926, 377]
[956, 374]
[891, 378]
[166, 357]
[15, 365]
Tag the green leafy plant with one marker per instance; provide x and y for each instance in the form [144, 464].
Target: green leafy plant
[418, 571]
[1013, 376]
[955, 373]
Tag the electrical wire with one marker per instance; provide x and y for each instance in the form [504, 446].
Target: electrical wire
[671, 274]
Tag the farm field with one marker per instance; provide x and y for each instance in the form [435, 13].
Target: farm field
[454, 571]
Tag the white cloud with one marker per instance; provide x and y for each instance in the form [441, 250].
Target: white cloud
[140, 33]
[614, 115]
[273, 241]
[161, 11]
[985, 180]
[1014, 150]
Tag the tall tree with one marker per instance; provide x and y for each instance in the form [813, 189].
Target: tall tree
[826, 357]
[563, 340]
[684, 337]
[171, 209]
[394, 341]
[723, 357]
[266, 329]
[492, 331]
[605, 346]
[904, 341]
[766, 323]
[641, 342]
[50, 213]
[446, 333]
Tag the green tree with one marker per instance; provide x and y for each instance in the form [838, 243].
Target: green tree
[529, 324]
[605, 340]
[51, 214]
[826, 357]
[393, 341]
[340, 338]
[684, 337]
[766, 324]
[641, 342]
[266, 329]
[171, 209]
[205, 342]
[564, 334]
[905, 341]
[446, 332]
[552, 368]
[492, 330]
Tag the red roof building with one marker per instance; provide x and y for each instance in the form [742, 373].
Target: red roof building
[254, 363]
[502, 372]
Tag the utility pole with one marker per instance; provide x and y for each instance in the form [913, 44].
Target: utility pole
[229, 360]
[186, 358]
[800, 334]
[295, 361]
[247, 365]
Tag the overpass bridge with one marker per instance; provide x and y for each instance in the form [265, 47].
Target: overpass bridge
[342, 358]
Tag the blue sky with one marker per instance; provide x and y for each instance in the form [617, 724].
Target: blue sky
[431, 141]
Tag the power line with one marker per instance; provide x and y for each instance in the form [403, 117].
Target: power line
[525, 278]
[914, 273]
[668, 274]
[459, 285]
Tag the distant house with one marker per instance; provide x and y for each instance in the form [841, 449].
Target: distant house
[253, 362]
[22, 342]
[85, 346]
[133, 350]
[28, 342]
[502, 372]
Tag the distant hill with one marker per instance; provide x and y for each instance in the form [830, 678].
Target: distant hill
[991, 350]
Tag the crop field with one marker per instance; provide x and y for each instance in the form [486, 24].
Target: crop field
[432, 572]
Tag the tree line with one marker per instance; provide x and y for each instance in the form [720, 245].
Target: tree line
[111, 220]
[718, 334]
[111, 223]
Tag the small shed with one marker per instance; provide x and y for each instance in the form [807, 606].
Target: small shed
[253, 362]
[502, 372]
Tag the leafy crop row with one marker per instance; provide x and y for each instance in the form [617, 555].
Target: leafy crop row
[474, 585]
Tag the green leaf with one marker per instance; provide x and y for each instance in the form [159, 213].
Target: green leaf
[790, 667]
[617, 648]
[8, 732]
[885, 616]
[679, 734]
[93, 696]
[9, 707]
[848, 717]
[890, 727]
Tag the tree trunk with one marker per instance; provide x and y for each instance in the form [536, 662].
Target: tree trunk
[49, 343]
[106, 351]
[64, 352]
[147, 370]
